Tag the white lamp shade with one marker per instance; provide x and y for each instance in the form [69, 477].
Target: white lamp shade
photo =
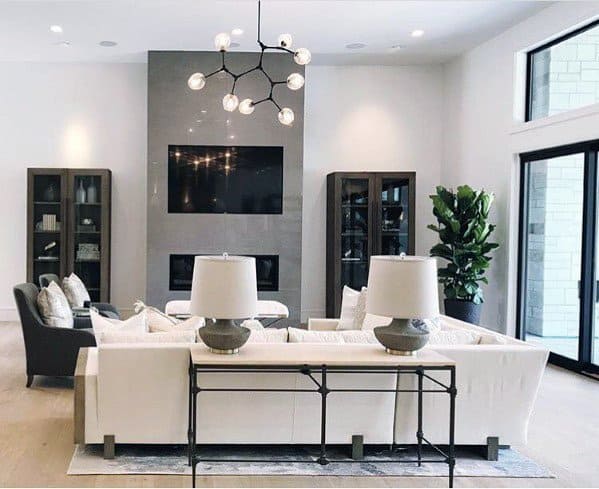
[403, 287]
[224, 287]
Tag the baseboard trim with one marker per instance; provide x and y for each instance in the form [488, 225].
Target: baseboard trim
[8, 314]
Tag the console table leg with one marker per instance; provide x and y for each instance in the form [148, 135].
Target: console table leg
[419, 433]
[324, 391]
[452, 395]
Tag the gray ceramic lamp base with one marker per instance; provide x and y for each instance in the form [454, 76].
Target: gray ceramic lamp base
[223, 336]
[401, 337]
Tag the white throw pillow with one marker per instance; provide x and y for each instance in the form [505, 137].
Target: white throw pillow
[75, 290]
[129, 337]
[135, 324]
[268, 336]
[360, 316]
[54, 307]
[349, 302]
[454, 337]
[159, 322]
[297, 335]
[252, 324]
[371, 321]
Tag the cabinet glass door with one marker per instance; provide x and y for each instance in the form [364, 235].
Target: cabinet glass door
[394, 230]
[355, 238]
[87, 229]
[47, 225]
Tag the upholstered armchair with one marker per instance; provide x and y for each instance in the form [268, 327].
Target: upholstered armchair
[50, 351]
[105, 309]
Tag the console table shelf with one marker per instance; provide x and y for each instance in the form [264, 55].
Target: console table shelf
[316, 362]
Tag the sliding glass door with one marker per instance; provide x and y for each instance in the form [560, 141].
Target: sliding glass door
[558, 254]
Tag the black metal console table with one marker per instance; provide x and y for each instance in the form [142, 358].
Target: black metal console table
[315, 362]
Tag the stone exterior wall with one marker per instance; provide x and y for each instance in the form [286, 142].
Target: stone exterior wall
[566, 76]
[554, 246]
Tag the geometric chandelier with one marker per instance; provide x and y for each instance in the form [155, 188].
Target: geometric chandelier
[294, 81]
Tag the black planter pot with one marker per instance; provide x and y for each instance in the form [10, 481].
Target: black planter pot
[463, 310]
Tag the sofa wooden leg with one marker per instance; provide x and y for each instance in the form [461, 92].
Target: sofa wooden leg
[492, 448]
[29, 381]
[357, 447]
[109, 446]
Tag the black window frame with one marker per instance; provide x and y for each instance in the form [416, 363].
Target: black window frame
[588, 268]
[531, 53]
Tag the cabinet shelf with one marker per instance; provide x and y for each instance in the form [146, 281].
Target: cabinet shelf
[75, 237]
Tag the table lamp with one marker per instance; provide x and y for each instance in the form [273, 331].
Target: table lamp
[403, 288]
[224, 288]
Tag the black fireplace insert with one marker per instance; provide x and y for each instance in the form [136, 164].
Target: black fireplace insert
[267, 272]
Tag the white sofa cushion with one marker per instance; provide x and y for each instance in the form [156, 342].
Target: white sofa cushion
[135, 324]
[164, 337]
[268, 336]
[75, 290]
[297, 335]
[54, 307]
[454, 337]
[349, 302]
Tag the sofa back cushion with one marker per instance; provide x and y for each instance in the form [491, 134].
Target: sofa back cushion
[163, 337]
[136, 324]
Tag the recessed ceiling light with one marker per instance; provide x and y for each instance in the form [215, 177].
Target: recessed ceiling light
[64, 44]
[56, 29]
[396, 47]
[203, 111]
[237, 31]
[234, 44]
[355, 45]
[417, 33]
[108, 44]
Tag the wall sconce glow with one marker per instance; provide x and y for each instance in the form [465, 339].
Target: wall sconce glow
[417, 33]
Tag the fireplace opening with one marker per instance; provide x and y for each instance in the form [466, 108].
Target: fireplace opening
[267, 272]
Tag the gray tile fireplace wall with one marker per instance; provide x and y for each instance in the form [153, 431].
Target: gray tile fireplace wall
[180, 116]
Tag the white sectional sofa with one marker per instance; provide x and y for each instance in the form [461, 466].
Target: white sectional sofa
[138, 393]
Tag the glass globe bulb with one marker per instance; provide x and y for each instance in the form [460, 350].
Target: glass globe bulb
[247, 106]
[196, 81]
[286, 116]
[285, 40]
[230, 102]
[295, 81]
[222, 41]
[302, 56]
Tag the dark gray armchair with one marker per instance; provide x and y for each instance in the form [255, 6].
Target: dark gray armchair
[50, 351]
[105, 309]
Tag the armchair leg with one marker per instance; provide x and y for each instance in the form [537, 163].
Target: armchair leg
[108, 446]
[29, 381]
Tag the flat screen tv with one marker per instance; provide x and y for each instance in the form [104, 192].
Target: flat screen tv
[225, 179]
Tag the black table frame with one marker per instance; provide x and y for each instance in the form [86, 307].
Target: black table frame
[322, 388]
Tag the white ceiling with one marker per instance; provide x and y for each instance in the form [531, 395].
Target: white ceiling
[324, 27]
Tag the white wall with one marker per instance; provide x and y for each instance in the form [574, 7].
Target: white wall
[366, 118]
[483, 133]
[74, 115]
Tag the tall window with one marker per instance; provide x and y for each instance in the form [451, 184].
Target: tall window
[564, 74]
[559, 249]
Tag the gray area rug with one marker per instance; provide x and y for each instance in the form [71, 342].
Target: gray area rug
[159, 460]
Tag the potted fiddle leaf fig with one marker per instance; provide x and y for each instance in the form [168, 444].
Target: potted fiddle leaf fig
[464, 231]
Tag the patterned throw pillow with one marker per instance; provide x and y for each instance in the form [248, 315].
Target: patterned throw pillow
[54, 307]
[75, 291]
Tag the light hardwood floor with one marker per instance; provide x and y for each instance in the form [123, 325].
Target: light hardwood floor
[36, 434]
